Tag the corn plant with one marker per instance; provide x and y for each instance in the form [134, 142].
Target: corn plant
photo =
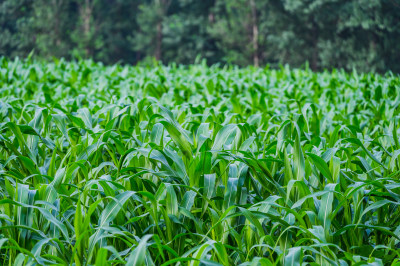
[197, 165]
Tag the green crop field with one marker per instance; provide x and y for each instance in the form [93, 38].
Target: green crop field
[197, 165]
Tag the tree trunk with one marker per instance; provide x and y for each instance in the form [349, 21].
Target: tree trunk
[85, 11]
[314, 59]
[254, 33]
[158, 40]
[162, 9]
[57, 6]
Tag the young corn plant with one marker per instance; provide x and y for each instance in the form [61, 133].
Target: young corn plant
[197, 165]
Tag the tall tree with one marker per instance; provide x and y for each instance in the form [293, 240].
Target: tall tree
[115, 20]
[52, 22]
[147, 40]
[185, 35]
[16, 31]
[85, 32]
[236, 28]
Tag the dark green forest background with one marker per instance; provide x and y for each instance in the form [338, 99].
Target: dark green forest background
[361, 34]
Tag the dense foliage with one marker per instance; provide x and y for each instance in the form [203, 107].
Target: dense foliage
[197, 164]
[361, 34]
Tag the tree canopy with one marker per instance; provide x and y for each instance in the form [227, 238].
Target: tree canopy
[360, 34]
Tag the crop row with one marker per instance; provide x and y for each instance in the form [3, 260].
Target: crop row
[197, 165]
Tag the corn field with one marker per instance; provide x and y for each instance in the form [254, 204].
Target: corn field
[197, 165]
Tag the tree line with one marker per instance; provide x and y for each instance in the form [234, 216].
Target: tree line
[361, 34]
